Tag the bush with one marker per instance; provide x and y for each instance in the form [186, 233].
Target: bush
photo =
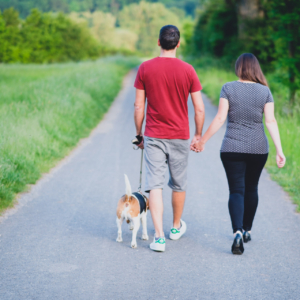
[45, 38]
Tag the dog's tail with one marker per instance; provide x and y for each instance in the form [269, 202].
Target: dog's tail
[128, 186]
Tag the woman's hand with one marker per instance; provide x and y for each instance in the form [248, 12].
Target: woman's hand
[280, 159]
[198, 146]
[196, 138]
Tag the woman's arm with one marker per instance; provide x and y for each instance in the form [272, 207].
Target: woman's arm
[272, 126]
[215, 125]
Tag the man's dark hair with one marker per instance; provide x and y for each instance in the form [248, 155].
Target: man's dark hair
[169, 36]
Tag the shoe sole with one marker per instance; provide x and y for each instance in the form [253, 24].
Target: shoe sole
[158, 250]
[247, 240]
[237, 251]
[176, 239]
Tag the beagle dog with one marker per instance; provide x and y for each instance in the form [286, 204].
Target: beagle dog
[132, 207]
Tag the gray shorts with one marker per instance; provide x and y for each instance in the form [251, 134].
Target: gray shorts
[160, 153]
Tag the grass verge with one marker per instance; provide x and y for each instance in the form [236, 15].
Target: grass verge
[45, 110]
[212, 80]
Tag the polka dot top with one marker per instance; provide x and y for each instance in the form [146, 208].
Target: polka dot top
[245, 130]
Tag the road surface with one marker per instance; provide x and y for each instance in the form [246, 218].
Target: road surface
[60, 241]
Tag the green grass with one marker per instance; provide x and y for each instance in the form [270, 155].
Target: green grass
[212, 80]
[45, 110]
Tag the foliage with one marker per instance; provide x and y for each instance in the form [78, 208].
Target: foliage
[266, 28]
[212, 79]
[146, 19]
[187, 45]
[285, 15]
[55, 37]
[216, 30]
[112, 6]
[45, 110]
[102, 26]
[44, 37]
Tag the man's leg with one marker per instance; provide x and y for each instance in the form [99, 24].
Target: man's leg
[178, 151]
[178, 160]
[156, 166]
[178, 199]
[156, 207]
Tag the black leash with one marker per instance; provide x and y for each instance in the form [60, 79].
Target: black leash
[138, 139]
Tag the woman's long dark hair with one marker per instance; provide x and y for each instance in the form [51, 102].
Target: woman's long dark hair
[247, 68]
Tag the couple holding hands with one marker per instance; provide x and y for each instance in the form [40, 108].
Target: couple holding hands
[166, 83]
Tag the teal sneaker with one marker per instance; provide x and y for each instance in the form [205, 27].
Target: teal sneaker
[158, 245]
[176, 234]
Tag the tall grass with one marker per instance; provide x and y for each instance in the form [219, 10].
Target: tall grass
[213, 78]
[45, 110]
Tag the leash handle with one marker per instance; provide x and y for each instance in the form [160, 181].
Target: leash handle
[138, 139]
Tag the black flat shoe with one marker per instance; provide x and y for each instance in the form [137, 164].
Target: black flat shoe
[237, 246]
[246, 237]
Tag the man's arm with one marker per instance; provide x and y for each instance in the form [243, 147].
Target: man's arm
[139, 112]
[199, 116]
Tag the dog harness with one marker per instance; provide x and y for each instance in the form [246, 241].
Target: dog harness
[142, 200]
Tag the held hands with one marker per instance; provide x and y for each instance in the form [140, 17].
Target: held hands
[280, 159]
[197, 145]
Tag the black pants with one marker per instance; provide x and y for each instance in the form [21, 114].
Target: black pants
[243, 171]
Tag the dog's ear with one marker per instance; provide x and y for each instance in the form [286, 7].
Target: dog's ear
[147, 203]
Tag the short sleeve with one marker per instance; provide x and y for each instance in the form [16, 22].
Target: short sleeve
[139, 80]
[269, 97]
[195, 82]
[224, 93]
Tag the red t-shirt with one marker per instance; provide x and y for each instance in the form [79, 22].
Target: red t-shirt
[167, 83]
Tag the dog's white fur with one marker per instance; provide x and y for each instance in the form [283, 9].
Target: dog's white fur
[127, 210]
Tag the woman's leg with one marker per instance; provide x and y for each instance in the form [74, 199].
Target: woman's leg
[235, 168]
[255, 165]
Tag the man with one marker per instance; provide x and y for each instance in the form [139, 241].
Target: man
[166, 82]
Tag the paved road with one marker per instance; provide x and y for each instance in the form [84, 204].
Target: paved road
[60, 241]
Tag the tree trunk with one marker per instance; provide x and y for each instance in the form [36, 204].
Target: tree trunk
[248, 10]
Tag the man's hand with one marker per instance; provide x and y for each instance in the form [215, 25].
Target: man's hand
[195, 139]
[139, 141]
[141, 145]
[199, 146]
[140, 138]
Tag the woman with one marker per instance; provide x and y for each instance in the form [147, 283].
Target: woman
[245, 148]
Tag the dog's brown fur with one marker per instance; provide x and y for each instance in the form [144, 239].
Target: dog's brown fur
[134, 206]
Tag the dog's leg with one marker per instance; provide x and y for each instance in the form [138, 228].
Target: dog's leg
[131, 225]
[136, 226]
[144, 225]
[119, 224]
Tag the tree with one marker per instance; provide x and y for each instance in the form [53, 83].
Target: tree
[44, 38]
[145, 19]
[67, 6]
[103, 27]
[10, 38]
[216, 31]
[55, 38]
[286, 24]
